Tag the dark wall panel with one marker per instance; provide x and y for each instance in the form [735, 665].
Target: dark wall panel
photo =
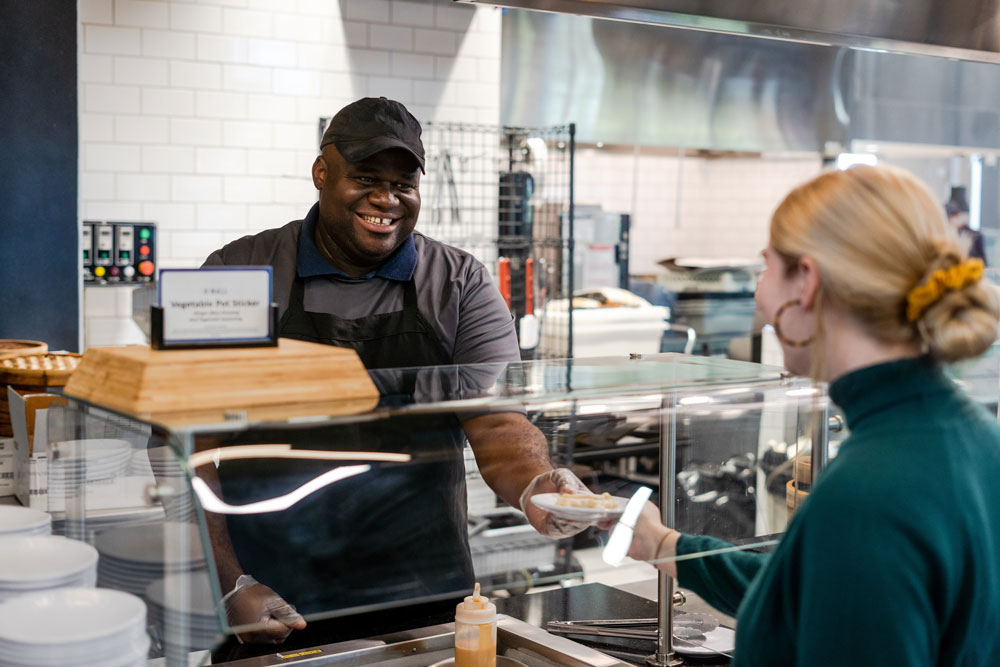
[39, 241]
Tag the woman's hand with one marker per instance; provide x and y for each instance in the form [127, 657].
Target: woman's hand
[653, 542]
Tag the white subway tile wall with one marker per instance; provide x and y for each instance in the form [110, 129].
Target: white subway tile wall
[724, 205]
[203, 116]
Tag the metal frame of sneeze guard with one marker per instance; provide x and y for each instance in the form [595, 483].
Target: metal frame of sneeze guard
[667, 596]
[656, 383]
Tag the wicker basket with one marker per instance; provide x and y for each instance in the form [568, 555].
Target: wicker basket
[32, 374]
[21, 348]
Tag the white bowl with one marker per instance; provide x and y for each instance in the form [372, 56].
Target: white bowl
[14, 520]
[71, 615]
[40, 558]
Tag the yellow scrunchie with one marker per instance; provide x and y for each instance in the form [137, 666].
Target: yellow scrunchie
[956, 277]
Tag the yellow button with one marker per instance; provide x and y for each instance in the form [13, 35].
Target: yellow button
[99, 271]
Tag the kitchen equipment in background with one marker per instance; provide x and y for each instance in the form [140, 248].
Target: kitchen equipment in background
[606, 322]
[514, 237]
[504, 193]
[503, 279]
[714, 297]
[117, 253]
[527, 330]
[445, 181]
[600, 240]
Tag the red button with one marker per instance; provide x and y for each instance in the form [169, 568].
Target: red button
[114, 270]
[146, 268]
[144, 250]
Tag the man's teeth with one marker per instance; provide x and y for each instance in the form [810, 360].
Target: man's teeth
[377, 221]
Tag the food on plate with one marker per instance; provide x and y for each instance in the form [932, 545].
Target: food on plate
[587, 500]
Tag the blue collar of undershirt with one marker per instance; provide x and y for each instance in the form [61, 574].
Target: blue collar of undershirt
[311, 262]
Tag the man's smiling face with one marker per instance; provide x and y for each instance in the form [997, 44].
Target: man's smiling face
[367, 209]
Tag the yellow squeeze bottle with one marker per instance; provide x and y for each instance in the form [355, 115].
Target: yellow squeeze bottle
[476, 632]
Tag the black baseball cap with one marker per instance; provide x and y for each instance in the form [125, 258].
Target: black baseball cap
[371, 125]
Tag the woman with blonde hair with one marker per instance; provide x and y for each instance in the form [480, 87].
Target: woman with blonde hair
[894, 559]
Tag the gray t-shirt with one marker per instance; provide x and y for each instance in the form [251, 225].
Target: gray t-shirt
[454, 292]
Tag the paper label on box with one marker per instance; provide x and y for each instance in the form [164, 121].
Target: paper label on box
[6, 467]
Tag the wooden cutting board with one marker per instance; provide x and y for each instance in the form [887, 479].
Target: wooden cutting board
[140, 381]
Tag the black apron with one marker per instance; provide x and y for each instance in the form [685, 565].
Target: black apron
[393, 534]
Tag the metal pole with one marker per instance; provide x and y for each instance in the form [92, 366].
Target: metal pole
[821, 440]
[665, 656]
[571, 232]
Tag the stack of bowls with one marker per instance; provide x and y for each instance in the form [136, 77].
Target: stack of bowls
[73, 627]
[134, 556]
[24, 521]
[196, 615]
[30, 563]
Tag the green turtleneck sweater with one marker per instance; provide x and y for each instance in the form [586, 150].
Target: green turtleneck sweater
[894, 559]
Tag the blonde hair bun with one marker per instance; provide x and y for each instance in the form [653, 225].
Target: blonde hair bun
[962, 324]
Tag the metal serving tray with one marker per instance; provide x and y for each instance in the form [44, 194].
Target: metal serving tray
[422, 647]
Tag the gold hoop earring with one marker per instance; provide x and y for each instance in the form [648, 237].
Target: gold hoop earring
[777, 327]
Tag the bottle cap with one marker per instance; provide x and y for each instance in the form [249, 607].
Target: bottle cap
[476, 609]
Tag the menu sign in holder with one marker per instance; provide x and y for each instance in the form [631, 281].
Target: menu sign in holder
[225, 306]
[215, 353]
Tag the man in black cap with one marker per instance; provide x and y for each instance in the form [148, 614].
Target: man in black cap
[354, 274]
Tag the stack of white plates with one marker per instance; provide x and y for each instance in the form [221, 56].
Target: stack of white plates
[24, 521]
[162, 464]
[197, 615]
[92, 462]
[42, 562]
[73, 627]
[133, 556]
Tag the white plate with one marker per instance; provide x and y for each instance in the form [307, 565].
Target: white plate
[547, 501]
[23, 520]
[69, 615]
[42, 558]
[722, 640]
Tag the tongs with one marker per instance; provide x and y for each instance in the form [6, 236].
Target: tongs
[686, 626]
[625, 627]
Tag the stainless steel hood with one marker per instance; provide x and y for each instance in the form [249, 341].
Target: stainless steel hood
[960, 29]
[632, 83]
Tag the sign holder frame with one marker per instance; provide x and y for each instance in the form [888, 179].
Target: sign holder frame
[157, 343]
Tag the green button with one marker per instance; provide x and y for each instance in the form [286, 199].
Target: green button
[144, 233]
